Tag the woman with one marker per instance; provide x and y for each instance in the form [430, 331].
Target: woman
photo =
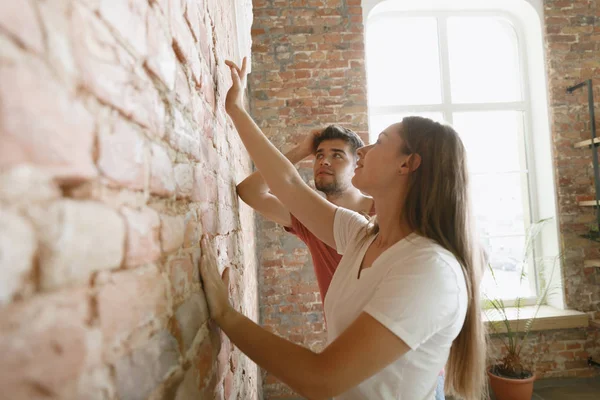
[404, 301]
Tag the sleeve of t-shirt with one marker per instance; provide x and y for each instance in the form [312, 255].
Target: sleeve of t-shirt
[347, 225]
[296, 228]
[415, 305]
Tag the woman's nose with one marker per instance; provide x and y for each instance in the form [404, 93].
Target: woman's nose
[363, 150]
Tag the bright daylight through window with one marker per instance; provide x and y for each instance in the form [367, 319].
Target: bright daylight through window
[465, 69]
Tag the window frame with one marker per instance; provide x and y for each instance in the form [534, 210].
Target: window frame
[447, 109]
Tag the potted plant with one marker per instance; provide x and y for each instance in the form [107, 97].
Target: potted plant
[510, 378]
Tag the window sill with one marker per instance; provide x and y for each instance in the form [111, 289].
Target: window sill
[547, 318]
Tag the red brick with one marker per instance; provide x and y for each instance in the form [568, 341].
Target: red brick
[228, 383]
[143, 243]
[17, 250]
[182, 87]
[128, 19]
[192, 230]
[567, 354]
[189, 387]
[46, 344]
[35, 107]
[120, 63]
[110, 72]
[205, 185]
[184, 178]
[77, 238]
[18, 245]
[207, 88]
[25, 186]
[182, 274]
[139, 373]
[192, 17]
[129, 300]
[171, 232]
[162, 179]
[581, 364]
[54, 16]
[161, 58]
[204, 360]
[21, 22]
[184, 45]
[123, 155]
[557, 346]
[561, 38]
[183, 138]
[582, 355]
[190, 316]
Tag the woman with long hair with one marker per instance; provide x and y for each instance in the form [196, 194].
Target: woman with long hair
[404, 301]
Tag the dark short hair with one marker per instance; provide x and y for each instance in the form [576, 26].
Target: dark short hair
[338, 132]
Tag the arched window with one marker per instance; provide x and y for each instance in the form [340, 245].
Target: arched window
[478, 66]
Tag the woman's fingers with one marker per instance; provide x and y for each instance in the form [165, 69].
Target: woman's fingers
[231, 64]
[235, 78]
[209, 263]
[244, 67]
[225, 277]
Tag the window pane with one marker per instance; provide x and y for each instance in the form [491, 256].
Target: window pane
[484, 60]
[494, 140]
[499, 187]
[377, 123]
[402, 61]
[507, 261]
[498, 205]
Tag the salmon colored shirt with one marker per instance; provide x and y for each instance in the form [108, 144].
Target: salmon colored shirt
[325, 259]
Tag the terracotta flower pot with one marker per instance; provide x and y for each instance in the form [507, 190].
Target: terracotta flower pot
[511, 389]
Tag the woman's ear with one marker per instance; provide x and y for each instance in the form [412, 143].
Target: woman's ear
[414, 161]
[410, 164]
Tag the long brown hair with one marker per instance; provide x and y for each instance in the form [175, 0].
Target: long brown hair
[437, 207]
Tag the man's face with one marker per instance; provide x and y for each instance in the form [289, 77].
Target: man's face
[334, 166]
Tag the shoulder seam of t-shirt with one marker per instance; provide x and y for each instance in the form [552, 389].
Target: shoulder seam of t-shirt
[293, 228]
[390, 325]
[455, 313]
[347, 217]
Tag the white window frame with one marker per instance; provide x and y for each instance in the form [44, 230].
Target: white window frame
[534, 108]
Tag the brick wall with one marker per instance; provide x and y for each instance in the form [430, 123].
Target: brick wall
[573, 55]
[572, 33]
[307, 72]
[115, 157]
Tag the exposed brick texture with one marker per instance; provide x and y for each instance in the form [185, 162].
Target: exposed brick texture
[307, 72]
[573, 55]
[116, 156]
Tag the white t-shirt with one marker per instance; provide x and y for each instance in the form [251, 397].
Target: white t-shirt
[415, 288]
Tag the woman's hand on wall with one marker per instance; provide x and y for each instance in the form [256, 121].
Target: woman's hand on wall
[216, 288]
[235, 95]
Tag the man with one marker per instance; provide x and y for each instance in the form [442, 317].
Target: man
[335, 159]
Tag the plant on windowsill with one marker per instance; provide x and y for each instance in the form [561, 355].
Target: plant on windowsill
[510, 379]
